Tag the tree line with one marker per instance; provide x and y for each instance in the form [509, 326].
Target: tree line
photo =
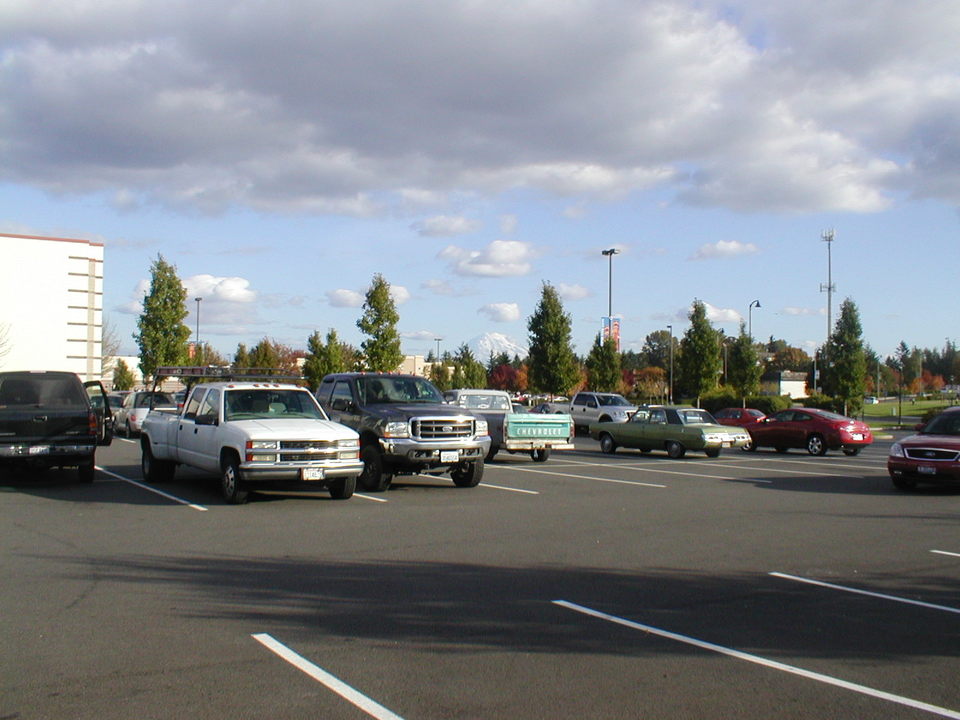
[701, 363]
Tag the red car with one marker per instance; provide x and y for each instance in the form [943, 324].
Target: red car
[931, 456]
[740, 417]
[815, 430]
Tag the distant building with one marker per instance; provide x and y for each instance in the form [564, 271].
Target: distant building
[51, 305]
[792, 384]
[415, 365]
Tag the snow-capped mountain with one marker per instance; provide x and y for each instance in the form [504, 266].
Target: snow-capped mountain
[483, 345]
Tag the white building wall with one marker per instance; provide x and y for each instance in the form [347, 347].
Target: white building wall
[51, 304]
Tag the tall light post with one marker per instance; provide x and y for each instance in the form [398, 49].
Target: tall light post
[196, 352]
[827, 237]
[670, 388]
[754, 304]
[438, 348]
[610, 253]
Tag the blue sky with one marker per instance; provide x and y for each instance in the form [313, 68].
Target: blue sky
[280, 155]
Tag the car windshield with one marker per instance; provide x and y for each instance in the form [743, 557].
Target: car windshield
[946, 424]
[376, 390]
[694, 417]
[484, 402]
[270, 403]
[613, 400]
[159, 399]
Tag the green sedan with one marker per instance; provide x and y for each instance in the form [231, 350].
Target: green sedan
[674, 429]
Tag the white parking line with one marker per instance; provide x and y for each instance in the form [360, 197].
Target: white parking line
[168, 496]
[769, 469]
[944, 552]
[370, 707]
[649, 468]
[906, 601]
[370, 497]
[588, 477]
[509, 489]
[756, 659]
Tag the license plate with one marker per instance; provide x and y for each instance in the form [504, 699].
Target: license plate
[727, 443]
[449, 456]
[39, 450]
[857, 436]
[927, 470]
[311, 473]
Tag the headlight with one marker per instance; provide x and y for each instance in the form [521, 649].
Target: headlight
[396, 429]
[896, 450]
[346, 444]
[482, 427]
[262, 444]
[620, 414]
[348, 449]
[713, 438]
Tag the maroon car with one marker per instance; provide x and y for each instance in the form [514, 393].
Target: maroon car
[815, 430]
[740, 417]
[931, 456]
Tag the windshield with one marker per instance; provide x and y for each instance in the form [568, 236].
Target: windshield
[693, 417]
[143, 400]
[484, 402]
[376, 390]
[613, 400]
[256, 404]
[946, 424]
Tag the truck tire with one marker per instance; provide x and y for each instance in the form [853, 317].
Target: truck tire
[467, 474]
[230, 483]
[492, 452]
[373, 478]
[153, 470]
[86, 470]
[541, 455]
[343, 488]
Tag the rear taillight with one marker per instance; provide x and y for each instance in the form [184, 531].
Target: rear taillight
[92, 423]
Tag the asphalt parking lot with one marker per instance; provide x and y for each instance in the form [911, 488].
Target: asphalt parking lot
[754, 585]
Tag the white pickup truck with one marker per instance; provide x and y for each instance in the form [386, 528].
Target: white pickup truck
[252, 434]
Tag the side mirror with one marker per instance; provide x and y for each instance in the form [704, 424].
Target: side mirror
[342, 405]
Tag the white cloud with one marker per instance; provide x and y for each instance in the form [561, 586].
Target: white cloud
[573, 292]
[399, 294]
[419, 335]
[446, 226]
[723, 249]
[501, 312]
[721, 315]
[803, 312]
[345, 298]
[501, 258]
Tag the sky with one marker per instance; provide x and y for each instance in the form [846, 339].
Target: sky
[280, 154]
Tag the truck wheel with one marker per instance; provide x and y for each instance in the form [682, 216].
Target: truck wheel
[153, 470]
[467, 474]
[492, 452]
[607, 445]
[540, 455]
[675, 450]
[230, 484]
[86, 470]
[343, 488]
[373, 478]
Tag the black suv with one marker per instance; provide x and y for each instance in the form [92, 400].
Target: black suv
[405, 428]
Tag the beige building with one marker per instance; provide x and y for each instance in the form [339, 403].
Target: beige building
[51, 304]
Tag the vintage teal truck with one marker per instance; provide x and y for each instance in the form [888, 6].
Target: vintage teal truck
[513, 431]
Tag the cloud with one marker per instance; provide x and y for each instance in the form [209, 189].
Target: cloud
[501, 312]
[723, 249]
[501, 258]
[573, 292]
[399, 294]
[345, 298]
[419, 335]
[771, 108]
[803, 312]
[721, 315]
[446, 226]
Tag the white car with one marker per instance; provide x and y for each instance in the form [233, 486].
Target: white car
[136, 405]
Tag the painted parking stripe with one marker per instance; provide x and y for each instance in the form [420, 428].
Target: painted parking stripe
[154, 490]
[369, 706]
[509, 489]
[589, 477]
[765, 662]
[856, 591]
[648, 468]
[944, 552]
[370, 497]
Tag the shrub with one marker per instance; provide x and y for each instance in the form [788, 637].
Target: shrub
[769, 404]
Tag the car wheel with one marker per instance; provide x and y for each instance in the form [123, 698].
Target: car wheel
[373, 478]
[343, 488]
[541, 455]
[851, 451]
[467, 474]
[153, 470]
[715, 452]
[86, 470]
[492, 453]
[230, 483]
[675, 450]
[607, 445]
[902, 483]
[816, 445]
[751, 446]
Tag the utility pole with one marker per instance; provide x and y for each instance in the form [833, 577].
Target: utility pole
[827, 237]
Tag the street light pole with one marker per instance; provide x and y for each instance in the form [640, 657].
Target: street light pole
[670, 388]
[754, 304]
[610, 253]
[196, 352]
[438, 348]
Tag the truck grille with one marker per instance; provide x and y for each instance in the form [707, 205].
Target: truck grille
[442, 428]
[307, 450]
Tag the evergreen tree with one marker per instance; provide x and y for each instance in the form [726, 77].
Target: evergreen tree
[743, 367]
[552, 366]
[241, 358]
[379, 322]
[603, 366]
[440, 376]
[700, 361]
[846, 377]
[265, 356]
[162, 336]
[323, 358]
[468, 372]
[122, 376]
[656, 350]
